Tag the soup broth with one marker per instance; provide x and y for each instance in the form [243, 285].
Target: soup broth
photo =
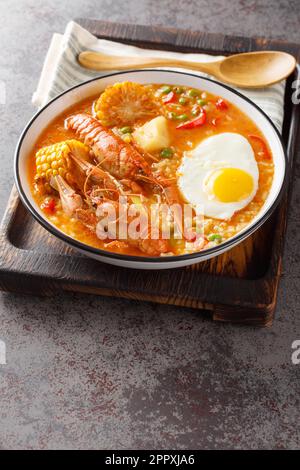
[187, 119]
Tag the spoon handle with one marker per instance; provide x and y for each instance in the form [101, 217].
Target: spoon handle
[98, 61]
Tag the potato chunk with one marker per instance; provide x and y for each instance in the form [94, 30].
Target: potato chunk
[153, 135]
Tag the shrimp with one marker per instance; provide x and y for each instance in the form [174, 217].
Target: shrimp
[70, 200]
[88, 171]
[123, 162]
[121, 159]
[85, 171]
[151, 247]
[73, 206]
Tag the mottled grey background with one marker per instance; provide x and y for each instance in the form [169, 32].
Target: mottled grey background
[90, 372]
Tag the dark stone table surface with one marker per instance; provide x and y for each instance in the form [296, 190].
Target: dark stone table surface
[90, 372]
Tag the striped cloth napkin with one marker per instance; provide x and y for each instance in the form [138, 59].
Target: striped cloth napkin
[61, 69]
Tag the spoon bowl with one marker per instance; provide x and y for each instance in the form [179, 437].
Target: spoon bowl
[256, 69]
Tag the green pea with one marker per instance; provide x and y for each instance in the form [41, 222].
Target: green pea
[172, 115]
[201, 102]
[195, 112]
[193, 93]
[165, 89]
[178, 90]
[182, 100]
[126, 130]
[182, 117]
[166, 152]
[215, 237]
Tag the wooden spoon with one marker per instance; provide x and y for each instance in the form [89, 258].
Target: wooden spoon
[251, 69]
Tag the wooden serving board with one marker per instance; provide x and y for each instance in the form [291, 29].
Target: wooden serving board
[238, 286]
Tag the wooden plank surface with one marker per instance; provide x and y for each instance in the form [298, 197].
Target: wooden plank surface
[238, 286]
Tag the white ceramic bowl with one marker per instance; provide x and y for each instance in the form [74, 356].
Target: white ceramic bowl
[94, 86]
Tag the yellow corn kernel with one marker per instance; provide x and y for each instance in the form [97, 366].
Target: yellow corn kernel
[127, 138]
[45, 166]
[53, 160]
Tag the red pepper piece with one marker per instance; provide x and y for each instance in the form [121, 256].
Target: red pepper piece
[263, 145]
[198, 121]
[49, 206]
[169, 98]
[221, 104]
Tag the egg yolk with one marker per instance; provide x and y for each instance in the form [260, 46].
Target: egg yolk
[232, 185]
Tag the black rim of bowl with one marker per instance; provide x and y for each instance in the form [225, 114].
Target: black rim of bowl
[145, 259]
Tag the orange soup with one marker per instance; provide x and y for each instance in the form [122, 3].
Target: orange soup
[151, 145]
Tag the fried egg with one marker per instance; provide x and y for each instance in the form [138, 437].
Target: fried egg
[220, 176]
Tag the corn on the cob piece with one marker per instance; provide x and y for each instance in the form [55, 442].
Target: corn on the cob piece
[124, 103]
[53, 160]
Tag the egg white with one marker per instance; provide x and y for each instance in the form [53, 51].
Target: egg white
[198, 166]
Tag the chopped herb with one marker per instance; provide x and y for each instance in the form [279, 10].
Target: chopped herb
[182, 100]
[193, 93]
[215, 237]
[182, 117]
[172, 115]
[126, 130]
[166, 152]
[165, 89]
